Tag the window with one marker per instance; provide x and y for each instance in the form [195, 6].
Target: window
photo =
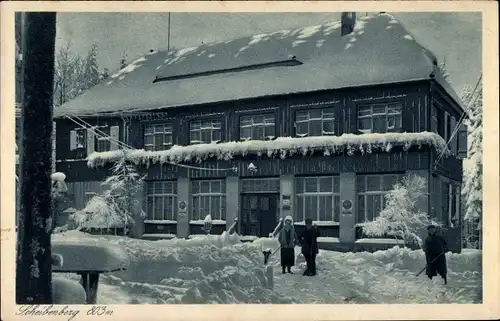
[257, 127]
[205, 131]
[158, 136]
[78, 138]
[380, 118]
[209, 197]
[371, 191]
[315, 122]
[161, 201]
[318, 198]
[102, 144]
[434, 119]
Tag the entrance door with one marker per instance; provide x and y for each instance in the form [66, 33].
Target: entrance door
[259, 214]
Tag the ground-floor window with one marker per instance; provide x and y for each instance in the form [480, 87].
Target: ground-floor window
[209, 197]
[318, 198]
[161, 201]
[371, 191]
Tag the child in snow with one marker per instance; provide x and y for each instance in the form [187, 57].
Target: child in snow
[287, 239]
[309, 241]
[435, 249]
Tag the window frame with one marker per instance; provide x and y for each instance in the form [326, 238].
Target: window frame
[198, 196]
[323, 119]
[103, 136]
[385, 115]
[253, 126]
[334, 195]
[82, 134]
[365, 194]
[164, 145]
[164, 195]
[212, 130]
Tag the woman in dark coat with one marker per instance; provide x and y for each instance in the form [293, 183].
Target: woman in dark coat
[287, 239]
[435, 249]
[309, 240]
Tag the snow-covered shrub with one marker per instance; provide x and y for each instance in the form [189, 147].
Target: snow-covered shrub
[401, 217]
[114, 206]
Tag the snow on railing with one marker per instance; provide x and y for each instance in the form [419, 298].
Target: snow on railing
[283, 147]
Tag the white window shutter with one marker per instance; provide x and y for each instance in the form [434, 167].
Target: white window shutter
[72, 140]
[114, 132]
[90, 142]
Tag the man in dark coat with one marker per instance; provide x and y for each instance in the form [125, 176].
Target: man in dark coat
[435, 249]
[309, 241]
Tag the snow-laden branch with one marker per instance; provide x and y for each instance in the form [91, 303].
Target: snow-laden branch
[282, 147]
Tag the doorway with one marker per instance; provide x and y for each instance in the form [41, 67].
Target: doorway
[259, 214]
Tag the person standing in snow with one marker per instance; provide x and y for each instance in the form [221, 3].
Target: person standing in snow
[435, 249]
[309, 241]
[287, 239]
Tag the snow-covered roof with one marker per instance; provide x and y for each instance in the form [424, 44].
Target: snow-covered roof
[379, 51]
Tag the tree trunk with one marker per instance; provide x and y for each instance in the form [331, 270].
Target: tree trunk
[34, 269]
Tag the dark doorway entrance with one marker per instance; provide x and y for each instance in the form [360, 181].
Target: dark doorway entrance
[259, 214]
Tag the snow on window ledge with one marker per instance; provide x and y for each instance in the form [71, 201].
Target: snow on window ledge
[282, 147]
[202, 222]
[160, 221]
[319, 223]
[328, 239]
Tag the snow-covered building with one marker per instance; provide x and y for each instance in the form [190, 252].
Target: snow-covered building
[329, 116]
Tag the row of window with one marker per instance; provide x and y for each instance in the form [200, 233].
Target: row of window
[316, 197]
[378, 118]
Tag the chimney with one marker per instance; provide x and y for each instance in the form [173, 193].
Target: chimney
[348, 20]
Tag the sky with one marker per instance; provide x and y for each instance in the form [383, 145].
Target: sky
[454, 37]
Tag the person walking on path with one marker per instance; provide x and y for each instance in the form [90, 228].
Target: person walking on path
[309, 241]
[435, 249]
[287, 239]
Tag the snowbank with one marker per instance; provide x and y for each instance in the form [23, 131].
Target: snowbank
[205, 269]
[282, 147]
[58, 177]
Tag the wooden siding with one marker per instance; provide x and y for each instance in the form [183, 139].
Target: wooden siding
[450, 167]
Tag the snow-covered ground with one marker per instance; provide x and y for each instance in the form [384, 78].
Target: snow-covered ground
[220, 269]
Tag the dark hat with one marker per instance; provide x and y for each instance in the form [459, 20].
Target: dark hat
[431, 226]
[308, 220]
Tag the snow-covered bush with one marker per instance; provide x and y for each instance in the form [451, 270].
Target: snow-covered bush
[401, 217]
[114, 206]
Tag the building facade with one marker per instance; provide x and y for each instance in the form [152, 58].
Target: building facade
[326, 146]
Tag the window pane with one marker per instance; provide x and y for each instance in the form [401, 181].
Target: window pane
[379, 124]
[269, 132]
[388, 182]
[246, 133]
[223, 207]
[150, 186]
[150, 208]
[373, 183]
[315, 114]
[258, 119]
[215, 187]
[364, 123]
[169, 208]
[195, 187]
[196, 207]
[379, 110]
[377, 205]
[361, 208]
[315, 128]
[158, 139]
[258, 133]
[311, 185]
[302, 129]
[336, 184]
[158, 188]
[269, 119]
[370, 207]
[364, 111]
[195, 137]
[148, 140]
[168, 187]
[301, 116]
[328, 127]
[360, 183]
[336, 208]
[204, 186]
[245, 121]
[311, 209]
[215, 207]
[326, 184]
[217, 135]
[158, 208]
[148, 130]
[300, 184]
